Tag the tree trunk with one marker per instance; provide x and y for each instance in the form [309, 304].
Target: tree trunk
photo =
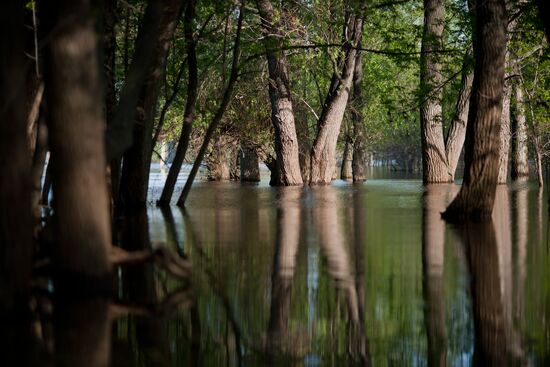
[477, 194]
[189, 114]
[137, 159]
[346, 172]
[457, 130]
[328, 127]
[505, 133]
[250, 166]
[434, 159]
[358, 160]
[15, 181]
[76, 125]
[520, 159]
[282, 114]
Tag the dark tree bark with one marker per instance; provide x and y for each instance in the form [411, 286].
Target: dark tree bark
[189, 114]
[328, 127]
[520, 154]
[76, 125]
[457, 129]
[250, 165]
[434, 159]
[219, 113]
[137, 159]
[282, 114]
[358, 162]
[477, 193]
[15, 183]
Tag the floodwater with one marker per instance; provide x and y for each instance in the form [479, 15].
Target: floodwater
[331, 276]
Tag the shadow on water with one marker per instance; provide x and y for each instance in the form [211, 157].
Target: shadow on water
[338, 275]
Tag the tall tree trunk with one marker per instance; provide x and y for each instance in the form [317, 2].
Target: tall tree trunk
[434, 159]
[137, 159]
[358, 160]
[282, 114]
[505, 134]
[15, 181]
[189, 114]
[328, 127]
[76, 125]
[520, 158]
[477, 194]
[457, 129]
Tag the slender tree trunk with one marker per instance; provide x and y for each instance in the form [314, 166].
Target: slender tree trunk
[520, 161]
[505, 131]
[137, 159]
[189, 114]
[282, 114]
[328, 127]
[434, 159]
[457, 129]
[72, 78]
[219, 113]
[15, 181]
[346, 171]
[477, 193]
[358, 163]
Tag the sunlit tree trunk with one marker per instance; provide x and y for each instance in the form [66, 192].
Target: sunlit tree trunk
[15, 183]
[477, 194]
[189, 114]
[282, 114]
[457, 129]
[76, 126]
[505, 131]
[328, 127]
[137, 159]
[520, 158]
[434, 159]
[358, 160]
[346, 171]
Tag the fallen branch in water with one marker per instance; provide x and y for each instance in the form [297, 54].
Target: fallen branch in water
[166, 259]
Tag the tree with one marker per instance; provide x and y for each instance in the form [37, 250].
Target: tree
[328, 127]
[434, 159]
[520, 157]
[477, 194]
[358, 159]
[287, 163]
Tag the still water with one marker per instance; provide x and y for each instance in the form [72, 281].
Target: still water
[332, 276]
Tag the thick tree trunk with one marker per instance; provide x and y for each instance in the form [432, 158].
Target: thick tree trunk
[346, 171]
[434, 159]
[520, 159]
[477, 194]
[189, 114]
[15, 181]
[76, 126]
[328, 127]
[457, 129]
[137, 159]
[282, 114]
[250, 165]
[505, 132]
[358, 160]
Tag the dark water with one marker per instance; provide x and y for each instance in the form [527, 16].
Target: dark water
[340, 275]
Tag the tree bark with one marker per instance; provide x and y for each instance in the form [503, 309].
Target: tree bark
[477, 194]
[328, 127]
[137, 159]
[15, 181]
[282, 114]
[505, 134]
[250, 166]
[76, 125]
[457, 129]
[358, 160]
[434, 159]
[346, 171]
[520, 159]
[189, 114]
